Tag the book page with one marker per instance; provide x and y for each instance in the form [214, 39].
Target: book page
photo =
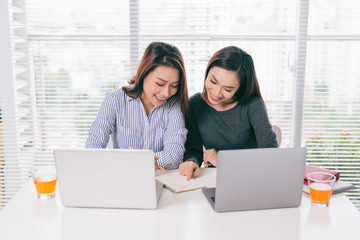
[339, 187]
[178, 183]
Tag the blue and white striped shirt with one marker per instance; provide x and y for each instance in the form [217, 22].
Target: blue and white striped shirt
[124, 118]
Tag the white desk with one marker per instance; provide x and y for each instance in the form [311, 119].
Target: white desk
[179, 216]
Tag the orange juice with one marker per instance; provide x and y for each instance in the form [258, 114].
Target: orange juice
[320, 192]
[45, 184]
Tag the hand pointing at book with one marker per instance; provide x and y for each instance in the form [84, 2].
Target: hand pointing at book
[189, 169]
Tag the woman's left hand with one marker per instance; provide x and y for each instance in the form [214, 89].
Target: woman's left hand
[210, 157]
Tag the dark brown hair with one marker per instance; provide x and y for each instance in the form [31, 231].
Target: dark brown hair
[235, 59]
[160, 54]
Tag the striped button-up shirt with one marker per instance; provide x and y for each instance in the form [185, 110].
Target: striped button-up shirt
[125, 120]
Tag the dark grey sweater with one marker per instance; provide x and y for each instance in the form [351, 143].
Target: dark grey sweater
[241, 127]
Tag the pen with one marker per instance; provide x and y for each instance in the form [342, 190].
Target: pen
[209, 165]
[157, 165]
[161, 168]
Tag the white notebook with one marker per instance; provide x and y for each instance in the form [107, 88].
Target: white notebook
[339, 187]
[178, 183]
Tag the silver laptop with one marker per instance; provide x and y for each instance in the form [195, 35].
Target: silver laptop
[107, 178]
[263, 178]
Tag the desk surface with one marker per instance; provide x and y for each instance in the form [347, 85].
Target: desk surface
[178, 216]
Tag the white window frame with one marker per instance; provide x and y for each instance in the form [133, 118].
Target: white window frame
[8, 76]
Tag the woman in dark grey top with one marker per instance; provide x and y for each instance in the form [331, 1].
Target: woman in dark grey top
[229, 114]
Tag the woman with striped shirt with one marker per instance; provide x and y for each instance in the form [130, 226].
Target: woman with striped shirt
[149, 113]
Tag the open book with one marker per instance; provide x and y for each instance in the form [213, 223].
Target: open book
[178, 183]
[339, 187]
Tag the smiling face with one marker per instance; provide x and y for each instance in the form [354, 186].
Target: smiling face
[159, 85]
[221, 86]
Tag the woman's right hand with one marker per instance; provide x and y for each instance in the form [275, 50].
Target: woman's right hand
[189, 169]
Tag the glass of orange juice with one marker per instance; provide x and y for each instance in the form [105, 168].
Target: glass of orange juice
[45, 182]
[321, 186]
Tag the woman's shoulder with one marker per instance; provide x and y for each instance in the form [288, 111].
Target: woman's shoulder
[255, 106]
[117, 93]
[196, 101]
[196, 97]
[256, 102]
[116, 97]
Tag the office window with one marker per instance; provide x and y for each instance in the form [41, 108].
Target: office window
[331, 126]
[66, 54]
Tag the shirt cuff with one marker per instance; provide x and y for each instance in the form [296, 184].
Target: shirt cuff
[192, 159]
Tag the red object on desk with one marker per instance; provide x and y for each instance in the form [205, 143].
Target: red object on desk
[310, 168]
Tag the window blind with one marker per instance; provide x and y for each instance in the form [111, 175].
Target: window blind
[64, 55]
[331, 127]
